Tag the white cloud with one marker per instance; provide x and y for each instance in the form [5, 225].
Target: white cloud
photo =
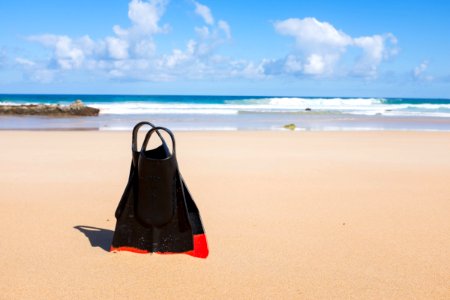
[144, 48]
[25, 62]
[130, 53]
[204, 12]
[133, 42]
[420, 72]
[137, 40]
[226, 28]
[199, 57]
[246, 69]
[375, 48]
[117, 48]
[293, 64]
[178, 56]
[320, 47]
[312, 34]
[315, 64]
[420, 69]
[33, 72]
[146, 15]
[203, 32]
[68, 54]
[112, 54]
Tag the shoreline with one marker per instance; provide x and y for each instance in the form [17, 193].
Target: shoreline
[239, 122]
[126, 130]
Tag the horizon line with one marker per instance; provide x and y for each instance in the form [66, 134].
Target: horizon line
[220, 95]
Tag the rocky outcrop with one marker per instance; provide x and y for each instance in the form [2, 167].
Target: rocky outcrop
[290, 126]
[77, 108]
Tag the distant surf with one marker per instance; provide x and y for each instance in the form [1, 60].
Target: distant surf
[229, 105]
[187, 112]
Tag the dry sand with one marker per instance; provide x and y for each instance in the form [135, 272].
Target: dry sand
[288, 215]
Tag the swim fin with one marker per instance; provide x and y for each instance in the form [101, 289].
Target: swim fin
[156, 212]
[200, 243]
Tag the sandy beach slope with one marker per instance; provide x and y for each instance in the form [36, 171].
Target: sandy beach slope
[305, 215]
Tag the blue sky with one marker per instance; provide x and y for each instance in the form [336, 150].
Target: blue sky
[301, 48]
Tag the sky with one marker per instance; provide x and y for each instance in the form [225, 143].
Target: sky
[208, 47]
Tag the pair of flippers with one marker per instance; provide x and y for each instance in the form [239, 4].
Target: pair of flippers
[157, 212]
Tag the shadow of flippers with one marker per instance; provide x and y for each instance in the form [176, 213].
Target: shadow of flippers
[98, 237]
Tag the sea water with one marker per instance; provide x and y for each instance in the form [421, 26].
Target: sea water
[189, 112]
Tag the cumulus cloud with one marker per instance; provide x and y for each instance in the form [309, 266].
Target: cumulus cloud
[312, 34]
[319, 47]
[376, 49]
[117, 48]
[67, 53]
[130, 53]
[113, 54]
[137, 39]
[133, 42]
[145, 17]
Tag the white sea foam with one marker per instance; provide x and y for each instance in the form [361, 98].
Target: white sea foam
[138, 108]
[236, 106]
[12, 103]
[310, 102]
[359, 106]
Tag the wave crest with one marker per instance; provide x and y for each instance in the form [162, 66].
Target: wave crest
[316, 102]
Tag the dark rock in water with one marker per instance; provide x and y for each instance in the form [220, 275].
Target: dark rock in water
[77, 108]
[308, 109]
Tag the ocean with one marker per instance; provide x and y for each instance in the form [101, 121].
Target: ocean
[190, 112]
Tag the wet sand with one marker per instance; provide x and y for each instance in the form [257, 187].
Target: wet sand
[334, 215]
[252, 121]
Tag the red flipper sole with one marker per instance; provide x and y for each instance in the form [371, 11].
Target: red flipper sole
[129, 249]
[200, 248]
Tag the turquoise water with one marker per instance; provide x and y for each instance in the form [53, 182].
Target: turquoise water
[240, 112]
[132, 104]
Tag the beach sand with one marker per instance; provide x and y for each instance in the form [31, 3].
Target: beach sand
[306, 215]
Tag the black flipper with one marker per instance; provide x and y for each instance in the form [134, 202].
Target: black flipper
[194, 214]
[160, 152]
[156, 212]
[200, 242]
